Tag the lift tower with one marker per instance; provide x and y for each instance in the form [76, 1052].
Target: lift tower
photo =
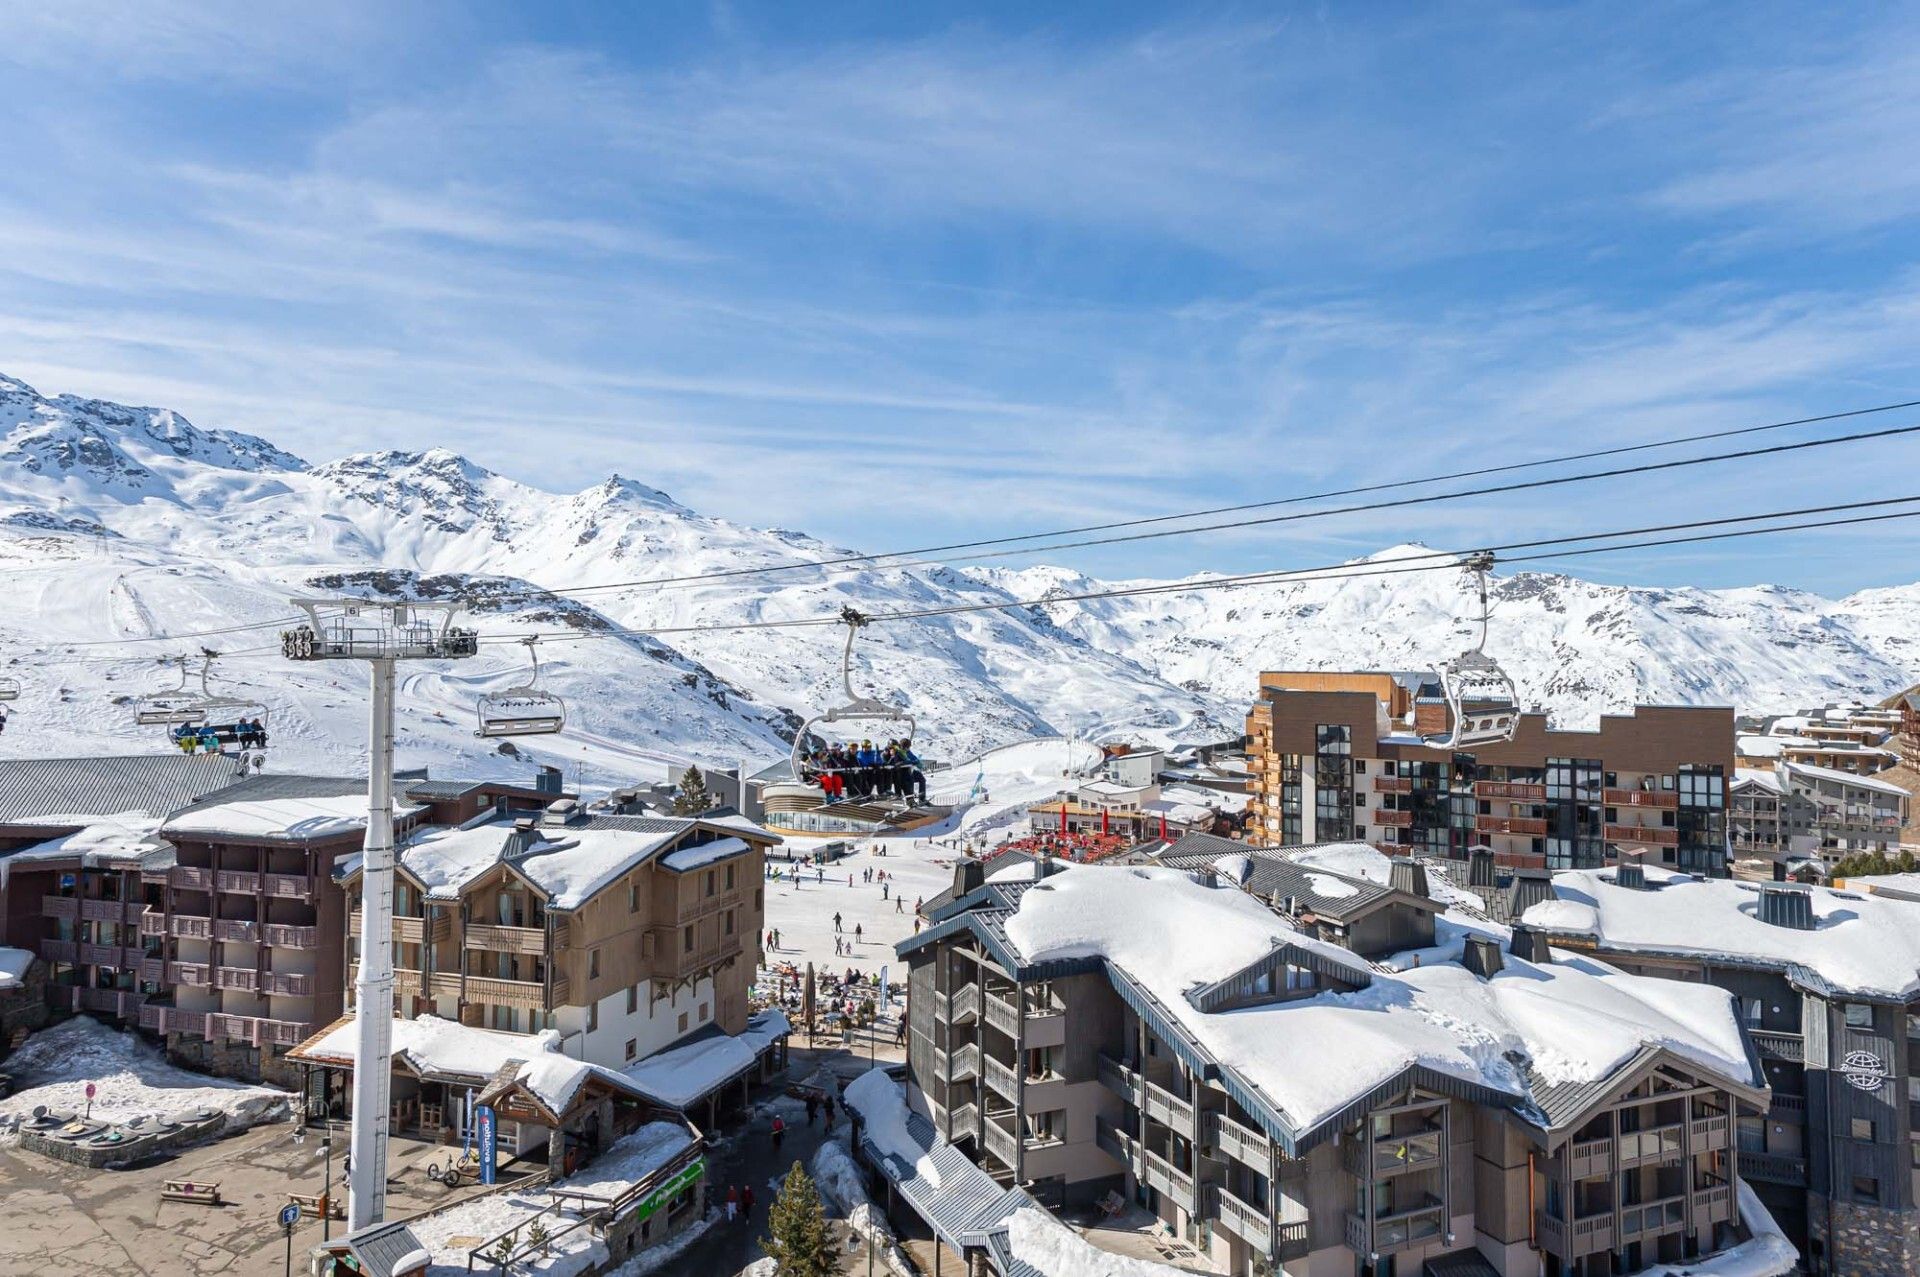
[381, 634]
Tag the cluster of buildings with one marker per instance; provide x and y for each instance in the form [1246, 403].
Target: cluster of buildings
[218, 912]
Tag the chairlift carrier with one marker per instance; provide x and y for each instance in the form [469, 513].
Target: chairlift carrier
[175, 707]
[858, 708]
[524, 709]
[1482, 702]
[183, 707]
[9, 688]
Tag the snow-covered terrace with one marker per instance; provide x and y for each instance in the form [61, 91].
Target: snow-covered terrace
[1161, 934]
[1861, 944]
[680, 1077]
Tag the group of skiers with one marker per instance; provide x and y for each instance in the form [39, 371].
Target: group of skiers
[248, 733]
[864, 771]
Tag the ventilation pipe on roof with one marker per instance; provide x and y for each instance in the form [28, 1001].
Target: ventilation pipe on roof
[1482, 956]
[968, 875]
[1408, 875]
[1788, 907]
[564, 811]
[1631, 874]
[1480, 868]
[547, 780]
[525, 834]
[1529, 945]
[1530, 887]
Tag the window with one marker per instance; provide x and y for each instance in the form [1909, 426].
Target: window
[633, 999]
[729, 922]
[593, 964]
[633, 1048]
[1359, 766]
[683, 1022]
[703, 1013]
[1866, 1188]
[633, 898]
[730, 869]
[711, 878]
[1860, 1128]
[1859, 1015]
[686, 938]
[759, 904]
[593, 1017]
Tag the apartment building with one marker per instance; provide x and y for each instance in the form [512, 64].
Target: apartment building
[1828, 984]
[1346, 756]
[624, 934]
[1847, 737]
[1768, 821]
[1287, 1097]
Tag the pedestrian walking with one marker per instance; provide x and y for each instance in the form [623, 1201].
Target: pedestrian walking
[900, 1033]
[856, 933]
[883, 890]
[779, 1134]
[813, 1109]
[746, 1202]
[836, 922]
[733, 1202]
[899, 904]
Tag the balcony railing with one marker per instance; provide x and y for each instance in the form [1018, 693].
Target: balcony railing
[1119, 1078]
[257, 1031]
[1652, 1217]
[192, 974]
[963, 1002]
[1002, 1014]
[1524, 826]
[1793, 1107]
[63, 908]
[1661, 798]
[236, 930]
[190, 878]
[966, 1062]
[1515, 791]
[1000, 1142]
[1167, 1178]
[124, 1003]
[66, 951]
[965, 1119]
[1778, 1046]
[1399, 1230]
[1709, 1134]
[1392, 819]
[1115, 1142]
[495, 938]
[117, 912]
[284, 936]
[1773, 1168]
[517, 993]
[1249, 1223]
[1660, 1143]
[1392, 1155]
[410, 930]
[1242, 1143]
[162, 1019]
[182, 926]
[1164, 1106]
[1000, 1077]
[1653, 835]
[282, 983]
[1393, 784]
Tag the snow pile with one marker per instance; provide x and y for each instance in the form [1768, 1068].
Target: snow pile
[689, 858]
[13, 967]
[1054, 1250]
[882, 1106]
[130, 1079]
[1363, 861]
[1572, 1021]
[300, 818]
[833, 1170]
[1860, 943]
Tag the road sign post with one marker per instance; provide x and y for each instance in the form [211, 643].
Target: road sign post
[90, 1090]
[289, 1216]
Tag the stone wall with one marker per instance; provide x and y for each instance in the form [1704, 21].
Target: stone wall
[26, 1006]
[1867, 1241]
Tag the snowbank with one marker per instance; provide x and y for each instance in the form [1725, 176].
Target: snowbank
[1055, 1250]
[130, 1079]
[833, 1170]
[882, 1106]
[1767, 1254]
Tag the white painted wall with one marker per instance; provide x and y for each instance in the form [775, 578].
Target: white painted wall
[654, 1025]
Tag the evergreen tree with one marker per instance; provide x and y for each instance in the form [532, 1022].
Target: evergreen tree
[797, 1240]
[693, 797]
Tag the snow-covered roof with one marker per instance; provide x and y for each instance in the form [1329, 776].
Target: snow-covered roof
[1766, 746]
[13, 967]
[281, 808]
[682, 1076]
[433, 1047]
[1860, 944]
[1759, 777]
[1112, 788]
[1898, 886]
[1808, 771]
[707, 853]
[128, 838]
[1564, 1023]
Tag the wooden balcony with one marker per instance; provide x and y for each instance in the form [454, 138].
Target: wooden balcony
[676, 963]
[1167, 1178]
[235, 880]
[1248, 1223]
[124, 1003]
[163, 1019]
[293, 984]
[1773, 1168]
[1658, 798]
[190, 878]
[1650, 835]
[514, 993]
[692, 906]
[1398, 1231]
[193, 974]
[1002, 1014]
[257, 1030]
[284, 936]
[1164, 1106]
[117, 912]
[1392, 819]
[1514, 791]
[492, 938]
[66, 951]
[183, 926]
[63, 908]
[236, 930]
[1779, 1046]
[153, 923]
[1393, 784]
[419, 931]
[1519, 826]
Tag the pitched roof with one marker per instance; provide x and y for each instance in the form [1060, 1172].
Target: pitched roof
[38, 790]
[280, 809]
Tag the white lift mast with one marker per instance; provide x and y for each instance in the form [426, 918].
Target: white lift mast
[381, 634]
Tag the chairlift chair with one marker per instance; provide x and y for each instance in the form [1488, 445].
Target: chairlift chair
[9, 688]
[171, 708]
[1483, 705]
[800, 794]
[522, 710]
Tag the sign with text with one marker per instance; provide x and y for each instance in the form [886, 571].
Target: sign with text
[489, 1141]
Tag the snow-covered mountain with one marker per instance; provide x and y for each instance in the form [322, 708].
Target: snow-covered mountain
[120, 522]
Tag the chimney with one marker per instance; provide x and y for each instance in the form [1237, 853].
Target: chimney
[1632, 875]
[1480, 868]
[968, 875]
[1408, 875]
[547, 780]
[1779, 871]
[1530, 946]
[1482, 956]
[1529, 888]
[525, 834]
[1430, 716]
[1787, 906]
[563, 811]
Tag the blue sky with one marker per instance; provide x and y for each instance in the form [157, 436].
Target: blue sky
[901, 273]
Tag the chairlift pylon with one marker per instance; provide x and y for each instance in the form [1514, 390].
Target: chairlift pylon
[1483, 705]
[800, 793]
[525, 709]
